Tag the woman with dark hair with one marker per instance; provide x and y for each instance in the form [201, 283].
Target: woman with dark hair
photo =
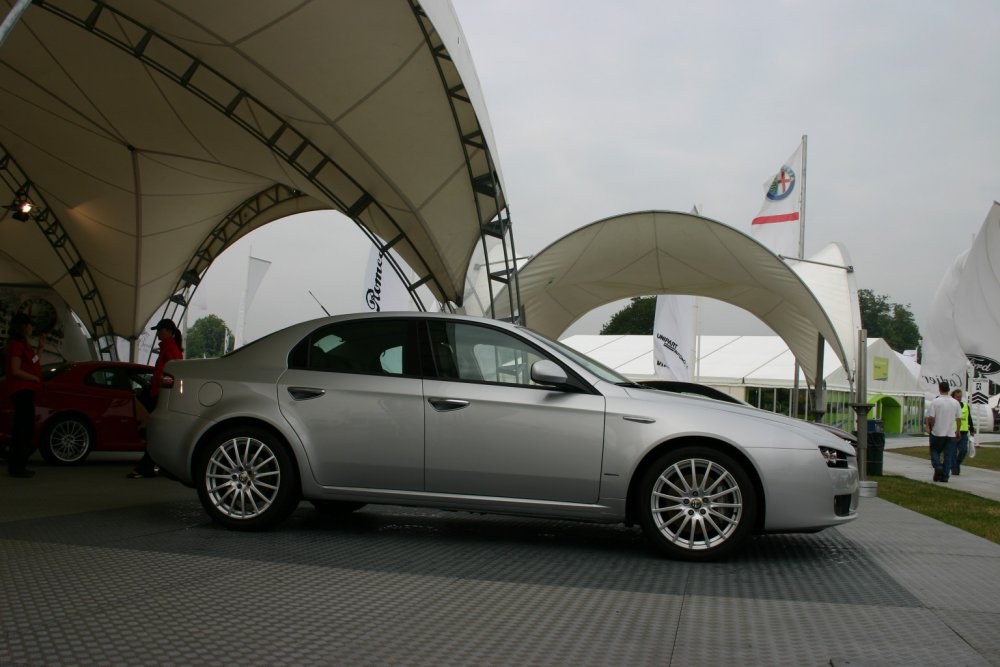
[24, 378]
[171, 347]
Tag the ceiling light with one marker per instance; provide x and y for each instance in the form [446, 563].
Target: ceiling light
[22, 208]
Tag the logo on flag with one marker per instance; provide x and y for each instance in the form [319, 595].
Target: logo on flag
[777, 224]
[984, 364]
[782, 185]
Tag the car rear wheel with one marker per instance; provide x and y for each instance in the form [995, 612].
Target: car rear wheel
[67, 441]
[697, 504]
[246, 479]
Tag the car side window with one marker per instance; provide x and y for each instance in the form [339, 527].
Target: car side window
[481, 354]
[109, 378]
[371, 347]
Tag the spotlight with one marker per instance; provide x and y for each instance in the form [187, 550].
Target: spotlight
[22, 208]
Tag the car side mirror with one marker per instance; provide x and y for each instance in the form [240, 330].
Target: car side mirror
[548, 373]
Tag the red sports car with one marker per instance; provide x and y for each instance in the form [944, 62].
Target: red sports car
[85, 407]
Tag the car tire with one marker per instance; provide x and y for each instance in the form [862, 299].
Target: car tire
[696, 504]
[67, 441]
[336, 508]
[246, 479]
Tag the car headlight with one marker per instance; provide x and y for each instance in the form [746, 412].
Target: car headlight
[834, 457]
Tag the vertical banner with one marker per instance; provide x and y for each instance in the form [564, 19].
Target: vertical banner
[978, 398]
[942, 355]
[777, 224]
[256, 268]
[384, 291]
[673, 337]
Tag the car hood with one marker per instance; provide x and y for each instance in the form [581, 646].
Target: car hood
[807, 430]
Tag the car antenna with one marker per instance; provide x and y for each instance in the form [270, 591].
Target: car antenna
[317, 301]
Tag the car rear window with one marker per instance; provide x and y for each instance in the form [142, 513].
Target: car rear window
[372, 347]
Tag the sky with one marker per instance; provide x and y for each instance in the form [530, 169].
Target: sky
[604, 108]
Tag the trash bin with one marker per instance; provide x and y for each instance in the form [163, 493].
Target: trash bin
[875, 452]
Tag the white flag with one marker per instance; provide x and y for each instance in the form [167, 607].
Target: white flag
[256, 268]
[976, 315]
[778, 224]
[673, 337]
[384, 291]
[962, 331]
[942, 358]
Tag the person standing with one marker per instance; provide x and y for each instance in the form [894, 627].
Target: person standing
[943, 422]
[968, 427]
[24, 378]
[171, 347]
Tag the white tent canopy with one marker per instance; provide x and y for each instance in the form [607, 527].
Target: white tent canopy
[759, 361]
[661, 252]
[138, 127]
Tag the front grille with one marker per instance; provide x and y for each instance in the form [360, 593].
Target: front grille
[842, 504]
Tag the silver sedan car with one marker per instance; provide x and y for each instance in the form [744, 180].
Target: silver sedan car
[472, 414]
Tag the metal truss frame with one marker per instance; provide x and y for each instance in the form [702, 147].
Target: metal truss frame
[229, 229]
[482, 172]
[20, 185]
[277, 134]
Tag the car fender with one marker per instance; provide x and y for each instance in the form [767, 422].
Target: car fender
[636, 431]
[253, 408]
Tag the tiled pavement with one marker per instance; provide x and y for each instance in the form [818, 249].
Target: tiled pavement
[97, 569]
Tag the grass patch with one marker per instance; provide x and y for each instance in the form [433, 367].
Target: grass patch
[986, 457]
[973, 514]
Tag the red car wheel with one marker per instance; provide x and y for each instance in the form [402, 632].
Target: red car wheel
[67, 441]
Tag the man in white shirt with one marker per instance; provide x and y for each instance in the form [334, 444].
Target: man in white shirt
[944, 423]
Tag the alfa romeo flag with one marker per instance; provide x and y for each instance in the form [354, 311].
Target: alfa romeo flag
[777, 225]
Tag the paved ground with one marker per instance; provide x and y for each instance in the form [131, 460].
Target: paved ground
[96, 569]
[985, 483]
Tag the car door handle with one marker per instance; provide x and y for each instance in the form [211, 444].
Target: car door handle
[305, 393]
[447, 404]
[639, 419]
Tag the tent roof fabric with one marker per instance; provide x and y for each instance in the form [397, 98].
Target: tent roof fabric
[142, 124]
[662, 252]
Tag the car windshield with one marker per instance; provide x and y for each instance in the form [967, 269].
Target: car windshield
[594, 367]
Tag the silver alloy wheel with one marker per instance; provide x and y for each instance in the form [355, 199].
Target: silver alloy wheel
[69, 440]
[243, 478]
[696, 504]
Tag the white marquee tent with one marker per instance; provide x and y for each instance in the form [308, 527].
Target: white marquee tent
[151, 136]
[663, 252]
[735, 364]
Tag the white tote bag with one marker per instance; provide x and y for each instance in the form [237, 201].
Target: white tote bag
[972, 447]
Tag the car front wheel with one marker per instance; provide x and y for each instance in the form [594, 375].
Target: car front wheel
[246, 479]
[67, 441]
[696, 504]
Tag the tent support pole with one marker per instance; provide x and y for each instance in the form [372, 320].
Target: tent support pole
[13, 16]
[819, 401]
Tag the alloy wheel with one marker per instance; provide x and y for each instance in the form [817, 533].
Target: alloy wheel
[243, 478]
[69, 440]
[696, 504]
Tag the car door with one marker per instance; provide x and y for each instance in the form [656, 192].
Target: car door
[492, 431]
[107, 400]
[354, 396]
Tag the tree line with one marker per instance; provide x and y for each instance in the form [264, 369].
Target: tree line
[880, 316]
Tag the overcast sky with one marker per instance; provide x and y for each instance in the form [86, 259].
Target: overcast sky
[603, 108]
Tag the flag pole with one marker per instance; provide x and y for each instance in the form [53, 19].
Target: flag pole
[802, 198]
[794, 403]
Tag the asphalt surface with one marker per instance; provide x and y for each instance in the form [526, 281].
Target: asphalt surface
[97, 569]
